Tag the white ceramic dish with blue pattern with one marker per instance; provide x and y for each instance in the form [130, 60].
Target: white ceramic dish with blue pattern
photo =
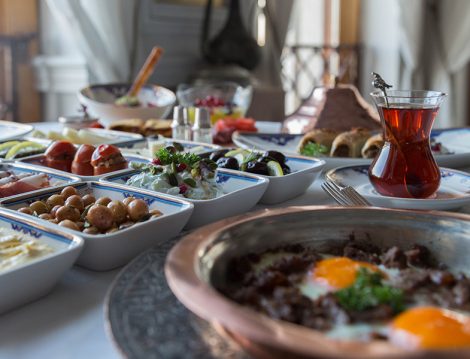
[304, 171]
[10, 130]
[35, 278]
[56, 178]
[453, 192]
[456, 140]
[39, 160]
[142, 147]
[241, 192]
[107, 251]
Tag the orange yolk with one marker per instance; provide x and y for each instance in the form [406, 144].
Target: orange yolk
[430, 327]
[339, 272]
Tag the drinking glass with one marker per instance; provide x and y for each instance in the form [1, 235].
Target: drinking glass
[405, 166]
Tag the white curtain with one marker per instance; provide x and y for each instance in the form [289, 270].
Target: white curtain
[102, 30]
[435, 52]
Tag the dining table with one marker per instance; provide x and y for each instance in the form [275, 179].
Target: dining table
[71, 322]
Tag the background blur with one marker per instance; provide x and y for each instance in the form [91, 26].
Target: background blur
[49, 49]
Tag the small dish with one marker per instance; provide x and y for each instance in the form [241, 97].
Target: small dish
[28, 281]
[241, 192]
[453, 191]
[38, 160]
[107, 251]
[99, 100]
[55, 178]
[10, 130]
[283, 188]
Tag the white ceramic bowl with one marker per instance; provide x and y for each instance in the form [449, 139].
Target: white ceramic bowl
[107, 251]
[26, 282]
[241, 192]
[305, 171]
[99, 100]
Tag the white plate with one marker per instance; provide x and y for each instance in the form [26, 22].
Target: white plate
[10, 130]
[26, 282]
[241, 192]
[108, 251]
[114, 137]
[456, 140]
[453, 192]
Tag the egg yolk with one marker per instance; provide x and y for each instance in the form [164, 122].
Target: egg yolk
[339, 272]
[432, 328]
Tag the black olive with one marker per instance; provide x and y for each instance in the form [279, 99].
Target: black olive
[228, 162]
[179, 147]
[275, 155]
[171, 149]
[265, 159]
[285, 169]
[217, 154]
[259, 168]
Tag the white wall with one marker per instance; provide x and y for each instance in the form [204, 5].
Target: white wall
[379, 33]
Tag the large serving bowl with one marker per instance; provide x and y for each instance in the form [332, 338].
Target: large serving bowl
[197, 265]
[100, 102]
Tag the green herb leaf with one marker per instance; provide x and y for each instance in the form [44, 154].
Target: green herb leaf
[190, 182]
[313, 149]
[167, 157]
[368, 291]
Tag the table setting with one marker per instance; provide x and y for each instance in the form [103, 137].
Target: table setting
[126, 234]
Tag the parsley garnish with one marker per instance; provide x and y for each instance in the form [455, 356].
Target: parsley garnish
[368, 291]
[167, 157]
[313, 149]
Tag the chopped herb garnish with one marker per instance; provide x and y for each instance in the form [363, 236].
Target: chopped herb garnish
[167, 157]
[313, 149]
[368, 291]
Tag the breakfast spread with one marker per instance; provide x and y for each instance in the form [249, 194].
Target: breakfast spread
[269, 163]
[357, 291]
[181, 174]
[16, 250]
[88, 214]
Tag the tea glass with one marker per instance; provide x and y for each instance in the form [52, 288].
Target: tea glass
[405, 166]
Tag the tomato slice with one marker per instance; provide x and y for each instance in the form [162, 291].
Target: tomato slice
[82, 169]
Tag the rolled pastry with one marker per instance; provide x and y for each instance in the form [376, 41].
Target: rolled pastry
[372, 146]
[320, 136]
[349, 144]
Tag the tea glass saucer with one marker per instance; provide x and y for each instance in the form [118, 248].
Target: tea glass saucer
[453, 192]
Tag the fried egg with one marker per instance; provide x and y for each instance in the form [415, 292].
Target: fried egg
[430, 328]
[334, 273]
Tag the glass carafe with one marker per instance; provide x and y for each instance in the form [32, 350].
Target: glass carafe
[405, 166]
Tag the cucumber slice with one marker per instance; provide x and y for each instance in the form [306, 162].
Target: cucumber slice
[5, 147]
[233, 153]
[275, 169]
[27, 146]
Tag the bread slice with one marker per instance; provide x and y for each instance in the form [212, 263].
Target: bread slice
[134, 125]
[157, 127]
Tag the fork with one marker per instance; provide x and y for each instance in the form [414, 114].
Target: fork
[345, 196]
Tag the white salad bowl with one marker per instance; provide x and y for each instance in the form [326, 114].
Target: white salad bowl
[304, 171]
[107, 251]
[100, 102]
[241, 191]
[34, 278]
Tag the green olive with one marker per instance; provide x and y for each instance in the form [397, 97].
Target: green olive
[68, 191]
[54, 200]
[39, 207]
[137, 209]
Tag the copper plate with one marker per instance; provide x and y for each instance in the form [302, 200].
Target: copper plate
[198, 262]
